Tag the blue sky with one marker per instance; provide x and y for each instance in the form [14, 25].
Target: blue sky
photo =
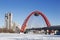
[22, 8]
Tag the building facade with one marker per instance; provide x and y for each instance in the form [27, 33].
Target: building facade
[8, 20]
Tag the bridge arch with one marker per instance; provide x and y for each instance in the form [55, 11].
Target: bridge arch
[23, 28]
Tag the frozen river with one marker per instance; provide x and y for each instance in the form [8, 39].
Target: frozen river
[14, 36]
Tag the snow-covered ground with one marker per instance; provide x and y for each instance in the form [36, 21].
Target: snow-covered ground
[15, 36]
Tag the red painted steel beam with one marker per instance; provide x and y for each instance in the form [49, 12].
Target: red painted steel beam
[23, 28]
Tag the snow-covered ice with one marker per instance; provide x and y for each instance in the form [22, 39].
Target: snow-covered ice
[15, 36]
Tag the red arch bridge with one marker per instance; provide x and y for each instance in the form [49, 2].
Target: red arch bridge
[36, 13]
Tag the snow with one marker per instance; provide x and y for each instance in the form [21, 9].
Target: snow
[15, 36]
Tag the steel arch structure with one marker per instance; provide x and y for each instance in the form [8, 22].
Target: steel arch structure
[23, 28]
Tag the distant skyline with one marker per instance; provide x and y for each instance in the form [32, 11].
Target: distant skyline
[22, 8]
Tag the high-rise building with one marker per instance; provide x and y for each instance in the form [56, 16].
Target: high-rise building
[8, 20]
[10, 25]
